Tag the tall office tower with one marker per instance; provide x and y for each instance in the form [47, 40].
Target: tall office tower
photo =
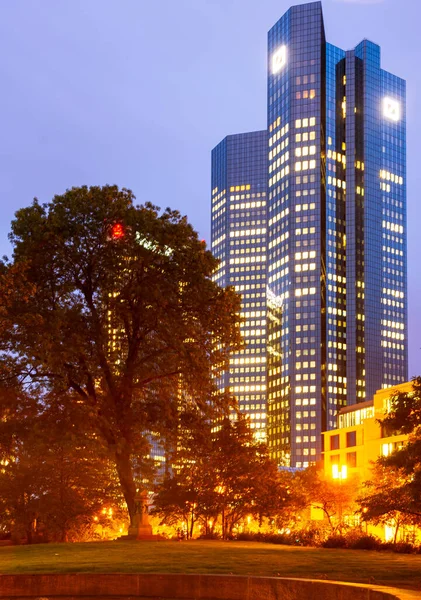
[337, 297]
[238, 230]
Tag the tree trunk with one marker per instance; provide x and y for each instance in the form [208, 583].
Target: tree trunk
[125, 476]
[396, 531]
[191, 525]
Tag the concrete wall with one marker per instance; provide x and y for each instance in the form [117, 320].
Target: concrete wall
[188, 587]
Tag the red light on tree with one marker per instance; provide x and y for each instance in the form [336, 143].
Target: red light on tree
[117, 231]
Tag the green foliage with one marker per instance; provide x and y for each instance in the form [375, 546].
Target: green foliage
[405, 411]
[115, 325]
[223, 475]
[56, 480]
[335, 498]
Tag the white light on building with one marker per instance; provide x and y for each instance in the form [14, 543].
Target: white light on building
[279, 59]
[391, 109]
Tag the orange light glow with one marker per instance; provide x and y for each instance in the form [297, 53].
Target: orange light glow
[117, 231]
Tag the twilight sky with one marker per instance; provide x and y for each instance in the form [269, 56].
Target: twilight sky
[137, 93]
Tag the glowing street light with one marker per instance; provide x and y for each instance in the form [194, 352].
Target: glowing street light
[339, 473]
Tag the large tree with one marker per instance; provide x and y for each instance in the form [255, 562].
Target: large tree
[113, 306]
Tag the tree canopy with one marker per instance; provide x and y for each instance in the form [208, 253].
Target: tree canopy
[395, 491]
[111, 307]
[221, 474]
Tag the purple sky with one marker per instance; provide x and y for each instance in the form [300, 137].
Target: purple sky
[137, 93]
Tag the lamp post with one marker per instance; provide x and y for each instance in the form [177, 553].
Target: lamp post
[340, 474]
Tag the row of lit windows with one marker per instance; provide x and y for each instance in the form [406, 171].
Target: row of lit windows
[279, 216]
[391, 177]
[279, 240]
[386, 344]
[305, 165]
[339, 345]
[278, 275]
[392, 226]
[279, 134]
[393, 335]
[246, 232]
[308, 122]
[242, 250]
[305, 267]
[279, 263]
[218, 205]
[253, 323]
[219, 240]
[305, 94]
[247, 196]
[305, 207]
[249, 388]
[253, 332]
[336, 156]
[305, 231]
[244, 205]
[278, 148]
[393, 324]
[305, 365]
[305, 291]
[305, 179]
[305, 151]
[394, 293]
[240, 188]
[336, 182]
[280, 175]
[305, 255]
[253, 360]
[305, 137]
[275, 124]
[280, 161]
[247, 259]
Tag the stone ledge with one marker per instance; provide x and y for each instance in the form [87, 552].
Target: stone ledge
[86, 586]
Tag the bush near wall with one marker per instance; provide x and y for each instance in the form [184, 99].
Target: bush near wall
[353, 540]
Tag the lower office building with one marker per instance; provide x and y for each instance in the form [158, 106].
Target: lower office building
[239, 233]
[358, 441]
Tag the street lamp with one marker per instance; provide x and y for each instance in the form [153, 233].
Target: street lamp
[339, 473]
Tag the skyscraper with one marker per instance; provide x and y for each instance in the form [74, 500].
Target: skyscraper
[336, 232]
[238, 231]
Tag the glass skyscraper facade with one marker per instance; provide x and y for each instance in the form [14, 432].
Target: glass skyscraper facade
[336, 293]
[238, 238]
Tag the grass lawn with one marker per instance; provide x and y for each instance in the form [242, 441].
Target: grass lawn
[237, 558]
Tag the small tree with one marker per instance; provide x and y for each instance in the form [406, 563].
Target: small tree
[395, 488]
[335, 498]
[385, 498]
[56, 481]
[224, 475]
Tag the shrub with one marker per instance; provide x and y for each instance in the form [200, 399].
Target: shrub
[334, 541]
[211, 535]
[364, 542]
[404, 548]
[269, 538]
[310, 537]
